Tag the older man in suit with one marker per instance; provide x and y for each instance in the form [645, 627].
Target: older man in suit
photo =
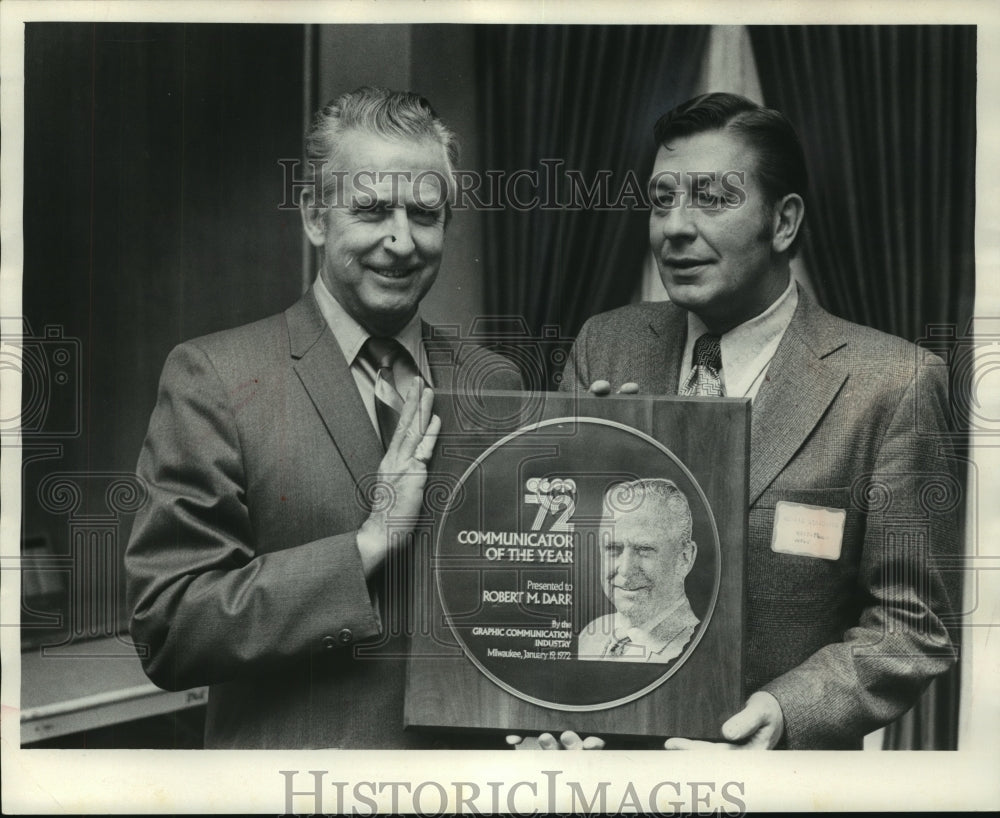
[646, 554]
[286, 460]
[850, 505]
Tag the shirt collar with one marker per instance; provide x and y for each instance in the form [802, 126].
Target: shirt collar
[747, 348]
[680, 613]
[351, 336]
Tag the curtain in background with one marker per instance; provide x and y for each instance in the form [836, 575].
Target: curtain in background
[887, 115]
[588, 96]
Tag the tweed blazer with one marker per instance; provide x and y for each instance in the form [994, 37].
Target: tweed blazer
[846, 418]
[243, 569]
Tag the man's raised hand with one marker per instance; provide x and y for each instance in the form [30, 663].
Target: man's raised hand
[402, 474]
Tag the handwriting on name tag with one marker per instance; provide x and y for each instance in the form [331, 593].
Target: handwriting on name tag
[808, 531]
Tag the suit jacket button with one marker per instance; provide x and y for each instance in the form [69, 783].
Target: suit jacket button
[345, 636]
[329, 643]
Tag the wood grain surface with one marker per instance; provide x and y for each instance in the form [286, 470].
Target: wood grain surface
[711, 438]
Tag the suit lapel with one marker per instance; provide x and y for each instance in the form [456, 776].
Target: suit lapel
[662, 364]
[801, 383]
[441, 364]
[320, 365]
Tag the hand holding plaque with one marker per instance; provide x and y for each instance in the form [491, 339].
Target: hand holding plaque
[758, 726]
[567, 740]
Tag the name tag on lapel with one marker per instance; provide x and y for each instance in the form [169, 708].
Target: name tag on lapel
[808, 531]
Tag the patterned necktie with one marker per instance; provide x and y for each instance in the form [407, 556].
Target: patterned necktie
[618, 648]
[382, 353]
[704, 379]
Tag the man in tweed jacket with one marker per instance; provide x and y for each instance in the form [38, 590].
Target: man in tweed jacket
[841, 636]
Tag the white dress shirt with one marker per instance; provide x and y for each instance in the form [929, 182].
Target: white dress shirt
[658, 642]
[747, 350]
[351, 337]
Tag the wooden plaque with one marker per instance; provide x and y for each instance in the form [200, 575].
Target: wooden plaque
[555, 599]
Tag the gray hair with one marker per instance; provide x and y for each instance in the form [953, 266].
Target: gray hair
[660, 494]
[390, 114]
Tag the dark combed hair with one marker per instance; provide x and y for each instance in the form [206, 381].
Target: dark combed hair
[780, 161]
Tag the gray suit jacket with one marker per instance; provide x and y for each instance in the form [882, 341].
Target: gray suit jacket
[243, 569]
[670, 640]
[845, 419]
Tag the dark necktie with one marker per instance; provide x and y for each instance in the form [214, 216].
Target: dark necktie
[704, 379]
[618, 648]
[382, 353]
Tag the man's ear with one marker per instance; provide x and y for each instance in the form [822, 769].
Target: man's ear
[788, 217]
[313, 220]
[689, 552]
